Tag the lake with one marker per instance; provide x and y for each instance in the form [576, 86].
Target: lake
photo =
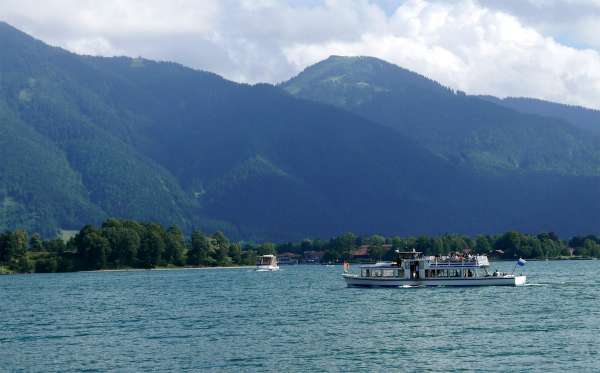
[302, 318]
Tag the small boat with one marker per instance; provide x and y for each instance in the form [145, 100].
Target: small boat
[266, 263]
[412, 268]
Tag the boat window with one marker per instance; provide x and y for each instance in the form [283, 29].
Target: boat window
[388, 273]
[446, 273]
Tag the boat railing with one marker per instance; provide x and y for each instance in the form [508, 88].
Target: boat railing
[477, 261]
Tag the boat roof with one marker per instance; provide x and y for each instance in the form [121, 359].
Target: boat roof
[380, 265]
[409, 254]
[441, 262]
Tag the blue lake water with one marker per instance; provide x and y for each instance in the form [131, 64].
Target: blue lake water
[301, 318]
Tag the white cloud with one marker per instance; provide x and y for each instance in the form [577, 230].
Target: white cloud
[480, 46]
[576, 22]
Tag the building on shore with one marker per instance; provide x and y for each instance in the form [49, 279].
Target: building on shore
[288, 258]
[313, 257]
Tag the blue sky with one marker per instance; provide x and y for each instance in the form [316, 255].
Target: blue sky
[539, 48]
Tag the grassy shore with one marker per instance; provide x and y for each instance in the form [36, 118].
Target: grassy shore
[7, 271]
[165, 269]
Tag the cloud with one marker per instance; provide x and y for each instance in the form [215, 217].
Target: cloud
[495, 47]
[575, 22]
[475, 49]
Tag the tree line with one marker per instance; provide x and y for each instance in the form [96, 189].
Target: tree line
[130, 244]
[509, 245]
[124, 244]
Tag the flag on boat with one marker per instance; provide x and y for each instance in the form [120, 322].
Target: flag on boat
[346, 266]
[521, 262]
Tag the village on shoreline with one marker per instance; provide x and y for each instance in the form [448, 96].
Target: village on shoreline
[131, 245]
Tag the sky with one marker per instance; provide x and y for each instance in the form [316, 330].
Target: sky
[548, 49]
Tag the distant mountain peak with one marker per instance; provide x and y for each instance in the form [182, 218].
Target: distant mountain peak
[360, 78]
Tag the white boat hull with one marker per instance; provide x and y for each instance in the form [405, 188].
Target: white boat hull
[267, 268]
[354, 280]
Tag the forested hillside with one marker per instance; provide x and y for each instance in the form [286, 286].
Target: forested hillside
[587, 119]
[85, 138]
[463, 129]
[158, 141]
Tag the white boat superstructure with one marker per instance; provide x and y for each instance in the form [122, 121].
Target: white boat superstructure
[414, 269]
[267, 263]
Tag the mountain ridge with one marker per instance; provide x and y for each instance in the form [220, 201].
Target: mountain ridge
[579, 116]
[451, 124]
[134, 138]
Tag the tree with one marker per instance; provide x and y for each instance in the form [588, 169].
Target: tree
[376, 240]
[267, 248]
[46, 265]
[194, 250]
[482, 245]
[98, 246]
[397, 243]
[592, 248]
[152, 246]
[220, 239]
[510, 243]
[249, 256]
[22, 265]
[56, 246]
[376, 251]
[235, 252]
[13, 247]
[174, 246]
[5, 253]
[423, 244]
[125, 245]
[92, 248]
[221, 252]
[345, 244]
[437, 246]
[36, 243]
[201, 251]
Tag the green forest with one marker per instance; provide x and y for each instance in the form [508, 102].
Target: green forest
[350, 144]
[124, 244]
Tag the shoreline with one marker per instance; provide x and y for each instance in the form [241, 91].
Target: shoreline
[160, 269]
[129, 270]
[8, 273]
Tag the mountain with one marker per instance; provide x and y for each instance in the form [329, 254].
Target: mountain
[157, 141]
[465, 130]
[584, 118]
[84, 138]
[48, 95]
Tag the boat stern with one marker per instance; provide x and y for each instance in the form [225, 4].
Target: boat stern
[520, 280]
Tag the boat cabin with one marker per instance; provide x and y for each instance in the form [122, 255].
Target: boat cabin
[266, 260]
[412, 265]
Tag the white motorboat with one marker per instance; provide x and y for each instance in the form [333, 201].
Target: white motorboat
[414, 269]
[267, 263]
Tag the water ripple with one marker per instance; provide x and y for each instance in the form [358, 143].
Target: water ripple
[300, 319]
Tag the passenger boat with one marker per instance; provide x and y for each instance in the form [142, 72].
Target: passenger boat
[266, 263]
[414, 269]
